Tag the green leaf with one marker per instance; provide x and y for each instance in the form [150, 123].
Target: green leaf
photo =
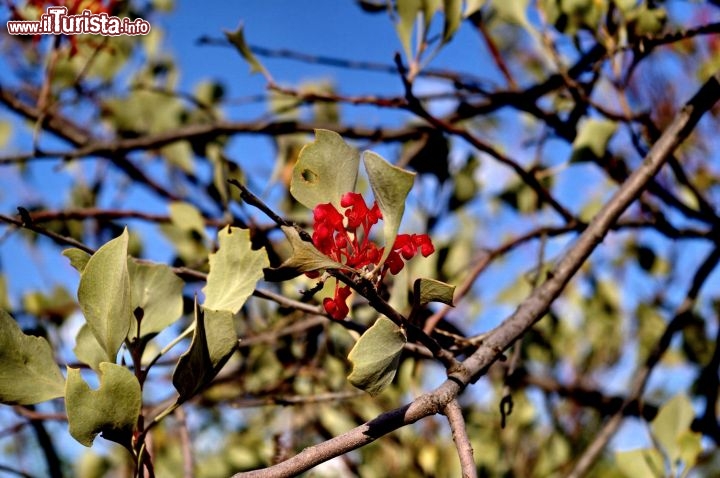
[431, 290]
[645, 462]
[390, 185]
[326, 169]
[113, 409]
[28, 373]
[87, 349]
[472, 6]
[689, 448]
[104, 295]
[237, 38]
[4, 298]
[234, 270]
[592, 139]
[158, 292]
[187, 218]
[305, 258]
[671, 423]
[214, 341]
[407, 11]
[453, 17]
[78, 258]
[376, 355]
[430, 8]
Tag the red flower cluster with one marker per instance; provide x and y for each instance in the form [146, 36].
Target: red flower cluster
[346, 239]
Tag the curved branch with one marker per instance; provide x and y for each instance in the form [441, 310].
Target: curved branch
[527, 314]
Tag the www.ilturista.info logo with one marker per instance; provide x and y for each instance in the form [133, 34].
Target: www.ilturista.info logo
[56, 21]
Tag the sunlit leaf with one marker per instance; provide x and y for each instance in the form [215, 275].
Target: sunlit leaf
[376, 355]
[157, 292]
[187, 217]
[453, 16]
[78, 258]
[592, 139]
[645, 462]
[431, 290]
[671, 423]
[87, 349]
[326, 169]
[407, 11]
[472, 6]
[234, 270]
[390, 185]
[104, 295]
[28, 372]
[305, 258]
[214, 341]
[112, 409]
[237, 38]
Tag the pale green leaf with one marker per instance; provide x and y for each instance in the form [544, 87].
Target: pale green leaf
[430, 8]
[28, 372]
[87, 349]
[453, 17]
[78, 258]
[376, 355]
[4, 298]
[187, 217]
[689, 448]
[671, 423]
[104, 295]
[113, 409]
[326, 169]
[237, 38]
[234, 270]
[472, 6]
[407, 11]
[514, 11]
[179, 154]
[390, 185]
[5, 133]
[214, 341]
[643, 462]
[305, 258]
[431, 290]
[592, 139]
[158, 292]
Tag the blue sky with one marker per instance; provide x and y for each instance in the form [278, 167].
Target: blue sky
[322, 27]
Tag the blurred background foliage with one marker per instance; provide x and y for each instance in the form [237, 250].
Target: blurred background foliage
[563, 99]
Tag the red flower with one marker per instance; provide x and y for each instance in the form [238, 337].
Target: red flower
[339, 238]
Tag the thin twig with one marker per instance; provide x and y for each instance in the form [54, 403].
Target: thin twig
[592, 452]
[527, 314]
[453, 412]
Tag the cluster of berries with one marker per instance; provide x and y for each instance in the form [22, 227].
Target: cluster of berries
[345, 238]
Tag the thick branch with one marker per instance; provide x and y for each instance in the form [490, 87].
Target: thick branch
[527, 314]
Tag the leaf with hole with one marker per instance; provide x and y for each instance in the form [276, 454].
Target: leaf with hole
[326, 169]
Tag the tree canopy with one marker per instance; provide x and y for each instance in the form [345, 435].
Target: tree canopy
[360, 238]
